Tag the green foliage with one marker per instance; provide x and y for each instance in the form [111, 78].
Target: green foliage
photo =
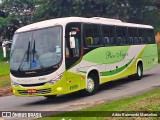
[17, 13]
[21, 12]
[3, 22]
[87, 8]
[136, 103]
[4, 69]
[153, 18]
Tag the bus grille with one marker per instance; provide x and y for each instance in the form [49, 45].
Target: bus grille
[32, 85]
[42, 91]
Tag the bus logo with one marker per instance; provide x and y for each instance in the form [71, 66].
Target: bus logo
[34, 64]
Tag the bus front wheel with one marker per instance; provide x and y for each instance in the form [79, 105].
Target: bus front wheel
[92, 85]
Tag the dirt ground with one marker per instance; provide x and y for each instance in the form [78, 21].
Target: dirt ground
[5, 91]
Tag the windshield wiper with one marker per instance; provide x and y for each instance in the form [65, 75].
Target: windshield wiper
[37, 56]
[26, 53]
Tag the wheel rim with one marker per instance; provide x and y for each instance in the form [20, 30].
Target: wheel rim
[139, 71]
[90, 85]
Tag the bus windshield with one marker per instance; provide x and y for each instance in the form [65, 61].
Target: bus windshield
[36, 49]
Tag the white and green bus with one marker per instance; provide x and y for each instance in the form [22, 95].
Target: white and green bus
[65, 55]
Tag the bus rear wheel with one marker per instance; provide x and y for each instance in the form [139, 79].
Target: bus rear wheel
[139, 73]
[92, 85]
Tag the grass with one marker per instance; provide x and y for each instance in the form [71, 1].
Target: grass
[158, 48]
[4, 69]
[149, 101]
[4, 81]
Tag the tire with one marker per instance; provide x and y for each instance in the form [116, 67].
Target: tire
[139, 73]
[92, 85]
[50, 96]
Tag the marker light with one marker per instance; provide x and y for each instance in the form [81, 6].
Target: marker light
[55, 80]
[14, 83]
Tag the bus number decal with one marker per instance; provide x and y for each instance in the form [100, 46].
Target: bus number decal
[73, 87]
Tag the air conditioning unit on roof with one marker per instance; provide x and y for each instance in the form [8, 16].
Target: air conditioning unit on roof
[107, 19]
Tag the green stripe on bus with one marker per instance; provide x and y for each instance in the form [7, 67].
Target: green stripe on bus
[113, 72]
[118, 70]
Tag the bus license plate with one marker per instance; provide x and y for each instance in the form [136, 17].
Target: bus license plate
[32, 90]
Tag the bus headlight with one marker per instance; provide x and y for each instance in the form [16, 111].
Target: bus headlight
[55, 80]
[14, 83]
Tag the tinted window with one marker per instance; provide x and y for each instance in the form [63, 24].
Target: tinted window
[92, 35]
[142, 35]
[73, 31]
[150, 36]
[73, 52]
[112, 33]
[106, 35]
[119, 35]
[133, 36]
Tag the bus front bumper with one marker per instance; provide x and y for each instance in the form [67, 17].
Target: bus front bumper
[44, 90]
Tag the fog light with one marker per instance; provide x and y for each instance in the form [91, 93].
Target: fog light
[59, 88]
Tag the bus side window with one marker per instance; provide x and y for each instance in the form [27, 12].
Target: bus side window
[131, 35]
[96, 34]
[88, 35]
[130, 40]
[135, 36]
[144, 36]
[151, 36]
[149, 40]
[124, 35]
[112, 35]
[70, 29]
[106, 41]
[136, 41]
[140, 40]
[105, 34]
[76, 49]
[72, 35]
[92, 35]
[121, 33]
[89, 41]
[76, 52]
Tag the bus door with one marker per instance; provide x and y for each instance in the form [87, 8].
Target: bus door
[73, 55]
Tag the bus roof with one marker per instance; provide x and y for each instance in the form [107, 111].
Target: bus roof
[64, 21]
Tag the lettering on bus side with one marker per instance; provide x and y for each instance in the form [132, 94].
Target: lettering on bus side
[119, 54]
[73, 87]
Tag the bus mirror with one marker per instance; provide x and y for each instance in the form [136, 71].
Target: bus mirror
[72, 41]
[72, 33]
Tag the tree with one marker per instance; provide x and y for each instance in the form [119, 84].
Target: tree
[84, 8]
[3, 25]
[16, 13]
